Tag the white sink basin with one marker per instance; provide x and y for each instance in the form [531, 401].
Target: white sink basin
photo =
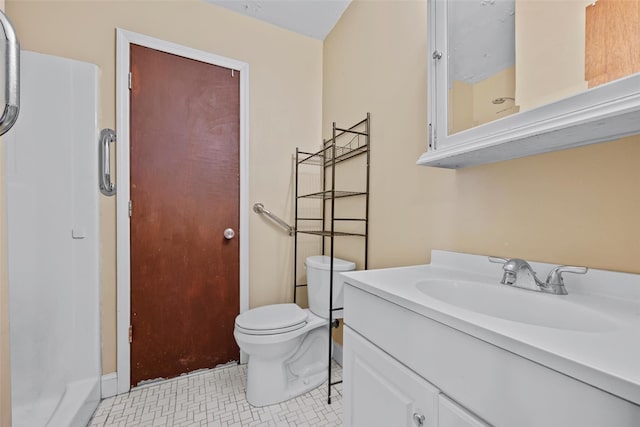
[516, 305]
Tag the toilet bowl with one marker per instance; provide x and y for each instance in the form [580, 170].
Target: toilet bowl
[286, 355]
[288, 347]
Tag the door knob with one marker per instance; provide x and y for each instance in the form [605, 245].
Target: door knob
[229, 233]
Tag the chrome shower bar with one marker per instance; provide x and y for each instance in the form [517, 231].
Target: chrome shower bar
[259, 208]
[107, 136]
[12, 76]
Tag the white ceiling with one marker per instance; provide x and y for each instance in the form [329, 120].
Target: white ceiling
[313, 18]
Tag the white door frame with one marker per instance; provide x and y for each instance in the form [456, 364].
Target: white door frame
[123, 248]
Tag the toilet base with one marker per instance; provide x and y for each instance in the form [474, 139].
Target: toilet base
[285, 365]
[277, 391]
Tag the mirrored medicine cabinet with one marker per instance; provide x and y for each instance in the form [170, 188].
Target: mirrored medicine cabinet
[513, 78]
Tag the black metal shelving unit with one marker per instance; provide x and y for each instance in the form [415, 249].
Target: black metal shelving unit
[344, 145]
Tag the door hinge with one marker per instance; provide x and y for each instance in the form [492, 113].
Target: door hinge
[130, 334]
[130, 208]
[130, 77]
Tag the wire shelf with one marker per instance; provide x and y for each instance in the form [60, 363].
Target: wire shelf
[326, 233]
[346, 152]
[327, 194]
[355, 147]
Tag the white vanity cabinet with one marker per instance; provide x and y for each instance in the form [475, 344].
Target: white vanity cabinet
[450, 414]
[402, 360]
[380, 391]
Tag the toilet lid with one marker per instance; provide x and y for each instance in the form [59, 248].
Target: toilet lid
[276, 318]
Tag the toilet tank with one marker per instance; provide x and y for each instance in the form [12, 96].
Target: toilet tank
[318, 268]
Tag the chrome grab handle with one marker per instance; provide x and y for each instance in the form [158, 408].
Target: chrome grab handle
[12, 76]
[498, 260]
[259, 208]
[107, 187]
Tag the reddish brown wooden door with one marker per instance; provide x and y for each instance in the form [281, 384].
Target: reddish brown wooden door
[185, 193]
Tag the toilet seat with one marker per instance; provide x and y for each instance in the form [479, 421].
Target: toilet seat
[271, 319]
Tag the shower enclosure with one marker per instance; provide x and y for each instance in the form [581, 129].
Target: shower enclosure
[53, 244]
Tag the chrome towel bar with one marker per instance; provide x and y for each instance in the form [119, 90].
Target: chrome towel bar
[259, 208]
[12, 76]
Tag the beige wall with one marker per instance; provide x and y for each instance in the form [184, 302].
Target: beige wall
[550, 50]
[374, 60]
[460, 106]
[471, 104]
[571, 207]
[285, 109]
[500, 85]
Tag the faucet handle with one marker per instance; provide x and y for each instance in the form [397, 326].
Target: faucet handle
[498, 260]
[555, 276]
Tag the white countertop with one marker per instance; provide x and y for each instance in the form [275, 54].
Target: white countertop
[608, 359]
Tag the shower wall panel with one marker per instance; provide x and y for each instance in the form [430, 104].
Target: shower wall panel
[53, 242]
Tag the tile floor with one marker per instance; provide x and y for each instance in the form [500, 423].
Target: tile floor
[216, 398]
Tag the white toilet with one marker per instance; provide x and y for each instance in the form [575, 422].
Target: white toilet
[287, 345]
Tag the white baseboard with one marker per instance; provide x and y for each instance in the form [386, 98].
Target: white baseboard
[109, 385]
[337, 353]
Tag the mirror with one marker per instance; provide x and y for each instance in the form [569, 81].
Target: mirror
[510, 56]
[513, 78]
[482, 54]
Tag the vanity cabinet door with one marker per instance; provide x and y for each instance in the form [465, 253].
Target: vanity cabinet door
[379, 391]
[450, 414]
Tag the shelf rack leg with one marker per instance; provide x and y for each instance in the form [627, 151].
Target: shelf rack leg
[366, 215]
[333, 205]
[295, 236]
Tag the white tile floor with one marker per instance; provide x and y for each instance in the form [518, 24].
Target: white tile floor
[216, 398]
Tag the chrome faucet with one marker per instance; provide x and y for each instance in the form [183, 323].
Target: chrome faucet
[518, 273]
